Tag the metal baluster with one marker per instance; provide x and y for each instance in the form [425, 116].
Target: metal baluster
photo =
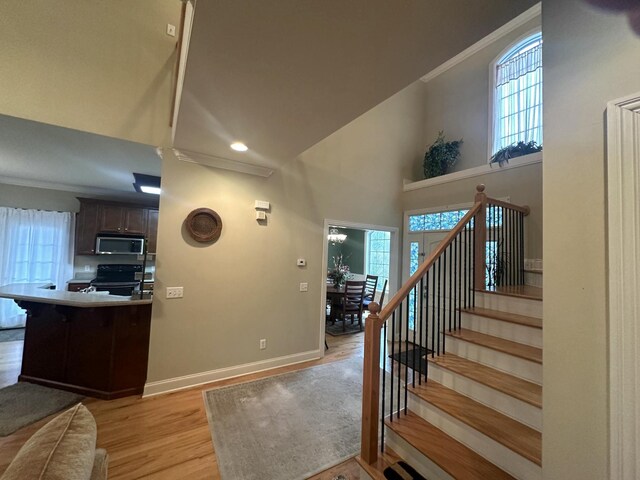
[433, 311]
[491, 236]
[439, 309]
[406, 364]
[469, 266]
[473, 263]
[426, 311]
[521, 218]
[464, 268]
[450, 249]
[501, 244]
[459, 286]
[444, 297]
[454, 246]
[384, 378]
[393, 353]
[513, 250]
[415, 302]
[421, 329]
[400, 356]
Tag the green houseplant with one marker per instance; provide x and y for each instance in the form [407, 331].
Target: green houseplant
[514, 150]
[441, 156]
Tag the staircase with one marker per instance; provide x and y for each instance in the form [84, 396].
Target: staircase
[477, 413]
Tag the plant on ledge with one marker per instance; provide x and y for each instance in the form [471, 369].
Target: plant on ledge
[514, 150]
[441, 156]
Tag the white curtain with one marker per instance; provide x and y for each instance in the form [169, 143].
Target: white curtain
[518, 98]
[35, 247]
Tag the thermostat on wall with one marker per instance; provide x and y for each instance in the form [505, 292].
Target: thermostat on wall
[262, 205]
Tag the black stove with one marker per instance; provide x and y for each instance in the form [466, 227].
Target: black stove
[117, 279]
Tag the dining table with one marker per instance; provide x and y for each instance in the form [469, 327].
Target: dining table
[334, 295]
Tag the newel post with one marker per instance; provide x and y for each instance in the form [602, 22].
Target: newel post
[371, 386]
[480, 226]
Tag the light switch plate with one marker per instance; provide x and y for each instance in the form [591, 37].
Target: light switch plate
[262, 205]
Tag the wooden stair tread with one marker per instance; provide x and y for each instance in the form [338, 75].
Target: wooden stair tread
[516, 349]
[519, 291]
[519, 388]
[514, 435]
[450, 455]
[505, 316]
[376, 469]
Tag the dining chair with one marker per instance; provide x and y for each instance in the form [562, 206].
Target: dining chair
[384, 289]
[371, 283]
[352, 302]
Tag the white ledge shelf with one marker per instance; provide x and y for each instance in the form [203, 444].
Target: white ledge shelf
[474, 172]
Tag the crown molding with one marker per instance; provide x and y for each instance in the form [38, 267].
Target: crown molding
[222, 163]
[507, 28]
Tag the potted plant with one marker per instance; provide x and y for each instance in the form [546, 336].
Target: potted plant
[514, 150]
[340, 272]
[441, 156]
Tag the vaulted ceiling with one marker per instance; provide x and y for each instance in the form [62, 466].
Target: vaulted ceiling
[281, 75]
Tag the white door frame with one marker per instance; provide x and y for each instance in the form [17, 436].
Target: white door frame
[623, 163]
[393, 264]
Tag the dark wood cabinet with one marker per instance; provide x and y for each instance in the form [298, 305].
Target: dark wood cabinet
[97, 216]
[76, 287]
[121, 219]
[101, 352]
[152, 230]
[86, 228]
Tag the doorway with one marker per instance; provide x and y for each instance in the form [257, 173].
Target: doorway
[357, 250]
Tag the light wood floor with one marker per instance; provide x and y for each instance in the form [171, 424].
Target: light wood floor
[167, 436]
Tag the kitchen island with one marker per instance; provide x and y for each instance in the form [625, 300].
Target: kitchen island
[88, 343]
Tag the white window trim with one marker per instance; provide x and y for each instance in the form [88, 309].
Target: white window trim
[492, 85]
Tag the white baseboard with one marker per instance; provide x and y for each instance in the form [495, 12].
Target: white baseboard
[188, 381]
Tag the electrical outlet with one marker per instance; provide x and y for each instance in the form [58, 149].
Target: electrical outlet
[175, 292]
[263, 343]
[171, 30]
[304, 287]
[87, 268]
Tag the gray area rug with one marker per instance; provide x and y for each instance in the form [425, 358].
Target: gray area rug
[336, 329]
[12, 335]
[290, 426]
[25, 403]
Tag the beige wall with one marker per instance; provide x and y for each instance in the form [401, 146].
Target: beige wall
[458, 103]
[98, 66]
[245, 286]
[38, 198]
[589, 59]
[523, 186]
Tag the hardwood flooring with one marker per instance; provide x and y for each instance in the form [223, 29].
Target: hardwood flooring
[166, 436]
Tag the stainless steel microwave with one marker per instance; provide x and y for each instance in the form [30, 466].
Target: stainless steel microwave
[119, 245]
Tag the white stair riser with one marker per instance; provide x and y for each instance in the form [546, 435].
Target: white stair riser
[516, 366]
[495, 452]
[423, 465]
[512, 407]
[507, 330]
[505, 303]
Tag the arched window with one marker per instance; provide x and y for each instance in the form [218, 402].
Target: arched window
[517, 95]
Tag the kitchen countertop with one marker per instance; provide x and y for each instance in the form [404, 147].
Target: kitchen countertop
[39, 293]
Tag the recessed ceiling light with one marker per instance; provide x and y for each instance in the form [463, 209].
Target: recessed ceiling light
[239, 147]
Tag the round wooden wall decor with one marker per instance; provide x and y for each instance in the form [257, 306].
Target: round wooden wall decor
[204, 225]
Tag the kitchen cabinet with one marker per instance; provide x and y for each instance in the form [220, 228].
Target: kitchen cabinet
[121, 219]
[101, 352]
[152, 230]
[76, 287]
[98, 216]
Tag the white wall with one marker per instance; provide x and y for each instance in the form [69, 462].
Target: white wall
[97, 66]
[245, 286]
[589, 58]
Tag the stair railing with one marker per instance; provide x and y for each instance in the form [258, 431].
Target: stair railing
[485, 248]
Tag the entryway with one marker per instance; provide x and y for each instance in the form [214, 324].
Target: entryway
[355, 252]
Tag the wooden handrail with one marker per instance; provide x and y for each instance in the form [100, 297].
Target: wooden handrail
[499, 203]
[377, 318]
[426, 265]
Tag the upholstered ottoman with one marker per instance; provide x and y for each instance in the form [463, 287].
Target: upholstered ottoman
[64, 449]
